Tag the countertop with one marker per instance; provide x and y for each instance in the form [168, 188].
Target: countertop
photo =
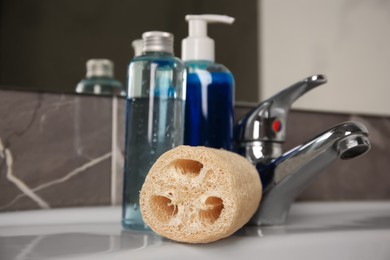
[314, 231]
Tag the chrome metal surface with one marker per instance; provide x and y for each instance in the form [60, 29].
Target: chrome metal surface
[287, 176]
[259, 137]
[351, 146]
[260, 151]
[267, 122]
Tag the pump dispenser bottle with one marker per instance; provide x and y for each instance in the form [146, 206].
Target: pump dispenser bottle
[210, 87]
[155, 116]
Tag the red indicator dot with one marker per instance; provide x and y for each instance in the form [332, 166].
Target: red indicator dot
[276, 126]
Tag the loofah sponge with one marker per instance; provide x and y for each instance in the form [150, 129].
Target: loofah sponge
[199, 194]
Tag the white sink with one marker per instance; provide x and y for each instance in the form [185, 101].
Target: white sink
[358, 230]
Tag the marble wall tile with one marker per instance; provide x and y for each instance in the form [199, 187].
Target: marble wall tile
[58, 150]
[118, 152]
[55, 150]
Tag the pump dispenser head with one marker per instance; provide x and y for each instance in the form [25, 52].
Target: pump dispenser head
[198, 46]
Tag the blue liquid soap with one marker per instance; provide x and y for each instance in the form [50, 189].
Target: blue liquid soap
[210, 88]
[209, 106]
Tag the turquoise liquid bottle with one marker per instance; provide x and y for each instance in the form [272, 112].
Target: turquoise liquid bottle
[154, 116]
[99, 79]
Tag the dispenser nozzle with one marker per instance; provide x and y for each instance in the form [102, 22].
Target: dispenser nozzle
[198, 46]
[210, 18]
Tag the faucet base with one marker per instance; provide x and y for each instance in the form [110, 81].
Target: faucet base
[260, 151]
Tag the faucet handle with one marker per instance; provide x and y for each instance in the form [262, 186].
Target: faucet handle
[267, 122]
[285, 98]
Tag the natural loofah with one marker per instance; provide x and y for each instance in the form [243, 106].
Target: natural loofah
[199, 194]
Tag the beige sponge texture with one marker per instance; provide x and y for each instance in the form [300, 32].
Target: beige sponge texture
[199, 194]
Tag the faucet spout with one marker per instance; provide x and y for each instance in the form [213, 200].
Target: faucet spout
[288, 175]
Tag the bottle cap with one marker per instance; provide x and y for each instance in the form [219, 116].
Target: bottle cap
[100, 68]
[158, 41]
[198, 46]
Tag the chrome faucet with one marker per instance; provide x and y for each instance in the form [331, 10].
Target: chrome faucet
[259, 137]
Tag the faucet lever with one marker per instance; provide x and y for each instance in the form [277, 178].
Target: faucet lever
[285, 98]
[260, 132]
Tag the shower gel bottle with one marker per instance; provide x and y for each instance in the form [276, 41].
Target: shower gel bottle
[154, 116]
[210, 88]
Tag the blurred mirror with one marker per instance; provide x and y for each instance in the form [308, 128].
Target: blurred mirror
[44, 44]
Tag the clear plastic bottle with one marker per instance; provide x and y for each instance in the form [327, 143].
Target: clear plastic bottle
[155, 116]
[99, 79]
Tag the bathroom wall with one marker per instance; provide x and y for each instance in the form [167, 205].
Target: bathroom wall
[347, 40]
[56, 151]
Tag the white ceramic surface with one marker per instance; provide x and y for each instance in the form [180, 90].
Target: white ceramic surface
[359, 230]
